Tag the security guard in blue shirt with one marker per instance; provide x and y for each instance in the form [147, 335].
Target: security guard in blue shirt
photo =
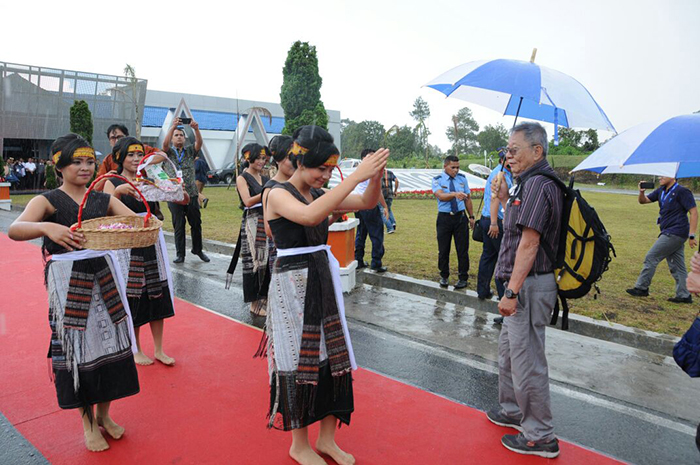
[452, 191]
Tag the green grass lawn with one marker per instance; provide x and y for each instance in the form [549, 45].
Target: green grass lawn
[412, 250]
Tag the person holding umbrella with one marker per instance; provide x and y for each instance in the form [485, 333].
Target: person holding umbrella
[675, 202]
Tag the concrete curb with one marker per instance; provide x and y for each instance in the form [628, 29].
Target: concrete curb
[650, 341]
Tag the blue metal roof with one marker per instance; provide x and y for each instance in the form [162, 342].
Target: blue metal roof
[153, 117]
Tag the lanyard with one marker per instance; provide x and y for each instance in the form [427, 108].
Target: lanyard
[664, 195]
[180, 155]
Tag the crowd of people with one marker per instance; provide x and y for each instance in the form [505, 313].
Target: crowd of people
[25, 174]
[291, 277]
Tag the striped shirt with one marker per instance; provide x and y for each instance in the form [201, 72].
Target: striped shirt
[539, 207]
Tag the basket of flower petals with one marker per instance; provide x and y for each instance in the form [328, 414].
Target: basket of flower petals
[117, 232]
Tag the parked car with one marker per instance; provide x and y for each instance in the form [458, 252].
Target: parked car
[225, 174]
[348, 164]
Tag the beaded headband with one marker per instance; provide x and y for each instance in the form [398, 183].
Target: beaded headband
[135, 148]
[87, 152]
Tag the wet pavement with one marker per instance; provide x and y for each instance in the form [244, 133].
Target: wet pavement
[630, 404]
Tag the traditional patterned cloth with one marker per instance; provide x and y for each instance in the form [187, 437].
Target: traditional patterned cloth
[149, 281]
[253, 248]
[309, 351]
[92, 341]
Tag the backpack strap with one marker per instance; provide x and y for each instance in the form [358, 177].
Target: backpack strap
[564, 314]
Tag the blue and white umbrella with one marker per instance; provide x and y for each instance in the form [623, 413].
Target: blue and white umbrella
[663, 148]
[521, 88]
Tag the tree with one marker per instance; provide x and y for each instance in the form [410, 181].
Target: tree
[570, 137]
[590, 140]
[421, 113]
[358, 136]
[462, 132]
[130, 73]
[301, 89]
[491, 138]
[401, 141]
[81, 120]
[51, 181]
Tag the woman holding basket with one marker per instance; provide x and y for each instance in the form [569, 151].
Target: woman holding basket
[149, 280]
[91, 329]
[252, 242]
[310, 356]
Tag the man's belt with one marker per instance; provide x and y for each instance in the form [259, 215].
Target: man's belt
[538, 273]
[459, 213]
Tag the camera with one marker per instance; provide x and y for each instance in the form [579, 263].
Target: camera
[185, 120]
[646, 185]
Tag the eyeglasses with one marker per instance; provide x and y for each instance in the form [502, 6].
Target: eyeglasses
[515, 150]
[115, 138]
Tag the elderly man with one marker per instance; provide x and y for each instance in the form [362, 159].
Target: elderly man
[454, 203]
[531, 225]
[675, 202]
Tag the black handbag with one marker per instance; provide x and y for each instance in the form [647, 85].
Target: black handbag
[686, 352]
[478, 232]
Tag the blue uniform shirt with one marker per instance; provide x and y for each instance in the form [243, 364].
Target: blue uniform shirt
[442, 182]
[487, 191]
[673, 209]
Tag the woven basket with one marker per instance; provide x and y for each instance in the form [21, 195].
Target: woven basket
[144, 230]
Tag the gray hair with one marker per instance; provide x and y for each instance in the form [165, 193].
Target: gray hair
[534, 133]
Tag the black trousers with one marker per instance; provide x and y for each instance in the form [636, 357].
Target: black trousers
[449, 227]
[191, 211]
[489, 257]
[370, 223]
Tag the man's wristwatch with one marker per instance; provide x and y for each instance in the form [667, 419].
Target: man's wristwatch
[691, 237]
[471, 217]
[510, 294]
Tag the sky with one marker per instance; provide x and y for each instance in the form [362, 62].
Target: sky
[639, 59]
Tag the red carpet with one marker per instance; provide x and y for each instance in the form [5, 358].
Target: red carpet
[210, 408]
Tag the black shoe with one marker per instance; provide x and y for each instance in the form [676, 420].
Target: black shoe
[497, 417]
[681, 300]
[205, 202]
[381, 269]
[362, 264]
[444, 282]
[498, 320]
[518, 443]
[202, 256]
[461, 284]
[179, 259]
[635, 291]
[486, 297]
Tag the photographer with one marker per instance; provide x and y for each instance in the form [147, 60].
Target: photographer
[675, 202]
[183, 157]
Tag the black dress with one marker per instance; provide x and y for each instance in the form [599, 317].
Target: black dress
[289, 298]
[253, 247]
[145, 307]
[107, 371]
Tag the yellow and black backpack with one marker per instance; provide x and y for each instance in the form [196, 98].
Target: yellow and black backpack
[584, 250]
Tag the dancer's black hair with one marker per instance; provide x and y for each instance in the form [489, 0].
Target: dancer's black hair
[256, 150]
[317, 144]
[121, 150]
[279, 148]
[67, 145]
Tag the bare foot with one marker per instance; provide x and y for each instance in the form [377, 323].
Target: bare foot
[341, 457]
[94, 441]
[111, 427]
[306, 456]
[141, 359]
[164, 359]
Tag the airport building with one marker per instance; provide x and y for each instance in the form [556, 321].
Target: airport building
[35, 109]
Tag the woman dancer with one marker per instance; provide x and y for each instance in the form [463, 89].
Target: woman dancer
[252, 241]
[91, 332]
[149, 287]
[309, 351]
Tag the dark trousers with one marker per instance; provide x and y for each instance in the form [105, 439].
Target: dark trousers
[457, 227]
[191, 211]
[370, 223]
[489, 257]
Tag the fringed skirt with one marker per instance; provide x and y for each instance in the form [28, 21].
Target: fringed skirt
[101, 365]
[291, 406]
[145, 309]
[255, 255]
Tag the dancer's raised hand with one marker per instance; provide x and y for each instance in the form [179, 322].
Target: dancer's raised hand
[372, 165]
